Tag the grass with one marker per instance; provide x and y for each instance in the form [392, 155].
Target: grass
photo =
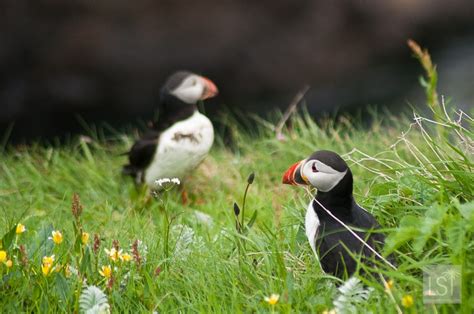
[414, 175]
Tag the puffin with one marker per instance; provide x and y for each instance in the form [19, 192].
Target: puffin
[181, 137]
[337, 249]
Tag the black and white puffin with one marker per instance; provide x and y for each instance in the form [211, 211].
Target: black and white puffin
[329, 239]
[181, 137]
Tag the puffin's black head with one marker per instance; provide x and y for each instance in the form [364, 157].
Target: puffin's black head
[323, 169]
[188, 88]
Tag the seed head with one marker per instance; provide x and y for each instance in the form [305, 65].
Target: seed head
[23, 256]
[116, 245]
[76, 206]
[157, 271]
[136, 253]
[236, 209]
[96, 246]
[251, 178]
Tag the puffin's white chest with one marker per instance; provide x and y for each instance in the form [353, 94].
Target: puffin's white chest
[311, 224]
[181, 148]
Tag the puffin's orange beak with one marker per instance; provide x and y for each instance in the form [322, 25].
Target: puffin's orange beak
[210, 89]
[292, 176]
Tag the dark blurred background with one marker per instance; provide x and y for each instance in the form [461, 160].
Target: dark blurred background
[104, 60]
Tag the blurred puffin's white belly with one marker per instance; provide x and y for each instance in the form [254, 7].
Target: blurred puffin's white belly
[311, 224]
[181, 148]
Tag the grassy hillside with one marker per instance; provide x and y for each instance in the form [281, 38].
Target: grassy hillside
[414, 175]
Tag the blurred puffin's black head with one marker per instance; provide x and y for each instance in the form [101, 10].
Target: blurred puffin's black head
[323, 169]
[188, 88]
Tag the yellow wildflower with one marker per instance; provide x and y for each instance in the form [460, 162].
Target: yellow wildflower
[3, 256]
[57, 237]
[46, 269]
[407, 301]
[273, 299]
[9, 263]
[20, 228]
[49, 260]
[47, 264]
[389, 285]
[106, 271]
[113, 254]
[85, 238]
[126, 257]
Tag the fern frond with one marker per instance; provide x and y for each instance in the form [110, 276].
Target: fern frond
[93, 301]
[351, 293]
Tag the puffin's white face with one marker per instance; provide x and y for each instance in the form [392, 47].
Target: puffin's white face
[194, 88]
[320, 175]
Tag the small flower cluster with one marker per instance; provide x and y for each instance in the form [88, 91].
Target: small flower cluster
[4, 258]
[116, 255]
[165, 181]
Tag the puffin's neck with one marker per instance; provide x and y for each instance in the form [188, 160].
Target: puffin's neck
[172, 110]
[339, 200]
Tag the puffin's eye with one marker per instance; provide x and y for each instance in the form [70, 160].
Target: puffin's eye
[314, 167]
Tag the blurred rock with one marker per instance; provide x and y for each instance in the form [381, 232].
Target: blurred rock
[105, 60]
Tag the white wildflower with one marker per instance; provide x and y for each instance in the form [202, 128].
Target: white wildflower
[160, 182]
[167, 183]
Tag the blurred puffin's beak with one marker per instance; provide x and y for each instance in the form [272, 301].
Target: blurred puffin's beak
[210, 89]
[293, 176]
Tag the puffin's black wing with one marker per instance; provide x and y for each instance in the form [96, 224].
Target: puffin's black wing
[364, 220]
[141, 154]
[335, 242]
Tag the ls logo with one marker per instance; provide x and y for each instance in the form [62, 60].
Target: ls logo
[442, 284]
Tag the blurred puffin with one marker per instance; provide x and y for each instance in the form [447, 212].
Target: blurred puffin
[181, 137]
[329, 239]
